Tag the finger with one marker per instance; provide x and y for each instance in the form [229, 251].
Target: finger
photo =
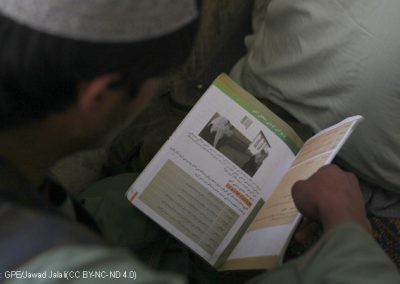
[301, 197]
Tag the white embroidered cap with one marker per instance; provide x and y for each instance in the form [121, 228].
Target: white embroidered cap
[102, 20]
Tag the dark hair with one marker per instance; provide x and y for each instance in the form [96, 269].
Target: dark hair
[39, 72]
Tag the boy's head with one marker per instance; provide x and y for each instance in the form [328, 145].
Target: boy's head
[93, 62]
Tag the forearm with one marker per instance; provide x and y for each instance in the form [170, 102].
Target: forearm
[346, 254]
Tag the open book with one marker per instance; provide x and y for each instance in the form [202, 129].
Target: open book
[222, 182]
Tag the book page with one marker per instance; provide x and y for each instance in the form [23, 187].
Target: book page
[205, 182]
[269, 232]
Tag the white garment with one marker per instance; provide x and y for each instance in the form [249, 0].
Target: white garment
[323, 60]
[220, 126]
[102, 20]
[218, 122]
[221, 132]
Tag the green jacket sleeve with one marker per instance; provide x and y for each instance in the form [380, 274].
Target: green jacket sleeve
[346, 254]
[83, 264]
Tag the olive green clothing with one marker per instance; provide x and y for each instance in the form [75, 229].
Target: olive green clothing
[82, 259]
[345, 255]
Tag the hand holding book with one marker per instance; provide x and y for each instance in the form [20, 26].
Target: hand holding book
[222, 183]
[331, 196]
